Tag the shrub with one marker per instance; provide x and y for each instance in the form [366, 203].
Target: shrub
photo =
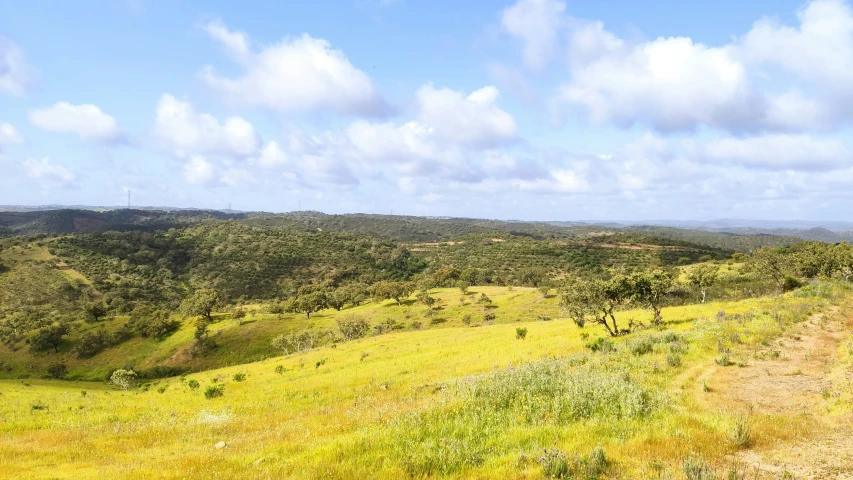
[214, 391]
[152, 322]
[741, 433]
[416, 325]
[124, 379]
[543, 318]
[239, 377]
[279, 369]
[556, 464]
[673, 359]
[791, 283]
[641, 346]
[520, 333]
[466, 319]
[695, 468]
[489, 318]
[122, 334]
[91, 344]
[387, 326]
[723, 360]
[193, 384]
[298, 341]
[162, 389]
[484, 299]
[57, 370]
[601, 344]
[353, 327]
[39, 405]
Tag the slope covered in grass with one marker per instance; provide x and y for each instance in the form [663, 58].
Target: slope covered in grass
[459, 401]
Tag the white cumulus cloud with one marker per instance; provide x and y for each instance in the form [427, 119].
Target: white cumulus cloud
[537, 24]
[87, 121]
[474, 119]
[198, 170]
[296, 74]
[188, 132]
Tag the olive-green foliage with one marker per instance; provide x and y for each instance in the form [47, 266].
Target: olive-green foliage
[57, 370]
[702, 277]
[353, 327]
[396, 291]
[49, 337]
[148, 321]
[91, 344]
[214, 391]
[202, 303]
[236, 259]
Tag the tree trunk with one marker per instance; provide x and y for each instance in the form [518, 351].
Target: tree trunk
[658, 319]
[703, 296]
[308, 314]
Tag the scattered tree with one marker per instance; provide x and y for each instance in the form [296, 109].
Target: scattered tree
[649, 289]
[202, 303]
[386, 290]
[703, 277]
[48, 337]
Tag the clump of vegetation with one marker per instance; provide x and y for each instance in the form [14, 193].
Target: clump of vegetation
[723, 360]
[124, 379]
[301, 341]
[239, 377]
[353, 327]
[49, 337]
[148, 321]
[695, 468]
[193, 384]
[641, 346]
[673, 359]
[557, 464]
[741, 436]
[601, 344]
[520, 333]
[57, 371]
[214, 391]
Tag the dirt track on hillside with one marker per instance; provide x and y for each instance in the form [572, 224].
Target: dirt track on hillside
[792, 384]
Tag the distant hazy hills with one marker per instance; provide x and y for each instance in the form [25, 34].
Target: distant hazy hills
[23, 220]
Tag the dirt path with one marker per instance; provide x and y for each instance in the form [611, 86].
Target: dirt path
[789, 383]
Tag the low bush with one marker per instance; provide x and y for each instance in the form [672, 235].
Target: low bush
[214, 391]
[239, 377]
[520, 333]
[641, 346]
[124, 379]
[353, 327]
[601, 344]
[57, 371]
[557, 464]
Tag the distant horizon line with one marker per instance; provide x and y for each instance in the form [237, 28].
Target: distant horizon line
[650, 222]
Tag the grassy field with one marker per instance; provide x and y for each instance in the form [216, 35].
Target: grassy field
[448, 400]
[250, 340]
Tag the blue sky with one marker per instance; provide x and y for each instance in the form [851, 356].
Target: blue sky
[533, 109]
